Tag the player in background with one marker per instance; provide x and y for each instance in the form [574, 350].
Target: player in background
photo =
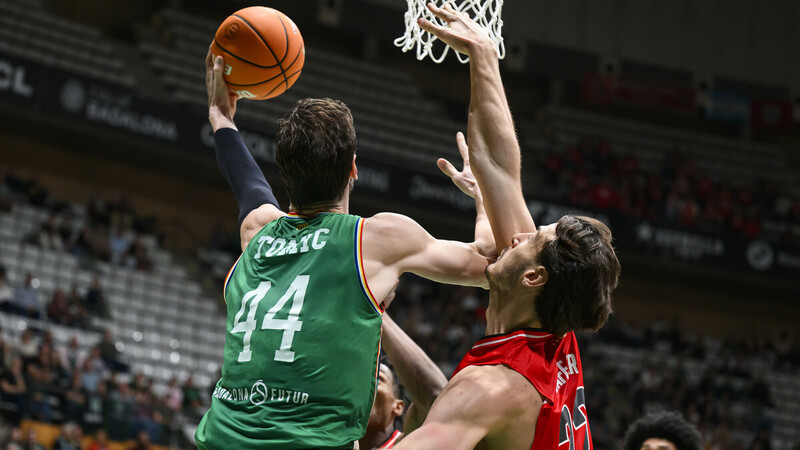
[388, 407]
[421, 378]
[521, 386]
[305, 298]
[662, 431]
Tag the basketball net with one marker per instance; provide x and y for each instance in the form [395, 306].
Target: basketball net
[485, 13]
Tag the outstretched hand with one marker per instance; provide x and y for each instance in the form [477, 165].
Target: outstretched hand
[463, 179]
[462, 34]
[221, 101]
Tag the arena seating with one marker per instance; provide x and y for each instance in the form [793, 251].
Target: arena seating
[28, 30]
[725, 159]
[165, 324]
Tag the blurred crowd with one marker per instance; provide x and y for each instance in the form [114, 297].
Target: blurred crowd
[680, 194]
[90, 389]
[106, 228]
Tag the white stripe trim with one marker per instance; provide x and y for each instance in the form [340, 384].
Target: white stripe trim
[497, 341]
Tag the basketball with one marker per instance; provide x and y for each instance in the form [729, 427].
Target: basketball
[263, 52]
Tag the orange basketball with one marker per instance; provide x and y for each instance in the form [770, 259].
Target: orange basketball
[263, 52]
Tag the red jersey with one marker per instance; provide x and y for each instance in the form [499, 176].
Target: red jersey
[389, 443]
[553, 366]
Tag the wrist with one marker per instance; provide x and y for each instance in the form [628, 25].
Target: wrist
[483, 48]
[219, 119]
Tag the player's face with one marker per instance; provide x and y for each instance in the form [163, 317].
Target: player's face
[522, 253]
[386, 406]
[658, 444]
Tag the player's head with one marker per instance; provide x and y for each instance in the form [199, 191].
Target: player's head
[388, 404]
[662, 431]
[315, 145]
[567, 270]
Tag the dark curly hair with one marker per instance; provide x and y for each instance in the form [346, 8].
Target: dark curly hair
[582, 272]
[669, 426]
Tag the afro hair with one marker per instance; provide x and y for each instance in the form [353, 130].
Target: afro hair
[669, 426]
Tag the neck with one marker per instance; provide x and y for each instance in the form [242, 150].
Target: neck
[373, 438]
[342, 206]
[504, 314]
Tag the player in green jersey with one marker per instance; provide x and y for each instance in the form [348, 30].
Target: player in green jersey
[306, 296]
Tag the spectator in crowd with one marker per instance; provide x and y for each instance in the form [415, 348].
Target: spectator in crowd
[100, 441]
[117, 245]
[93, 371]
[109, 353]
[7, 354]
[120, 410]
[94, 412]
[26, 298]
[662, 431]
[71, 355]
[28, 346]
[32, 441]
[41, 377]
[174, 395]
[145, 417]
[75, 398]
[58, 309]
[77, 310]
[136, 256]
[15, 441]
[13, 388]
[69, 438]
[142, 441]
[6, 293]
[48, 236]
[96, 300]
[192, 403]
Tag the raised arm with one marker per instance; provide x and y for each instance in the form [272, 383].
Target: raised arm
[494, 150]
[421, 377]
[257, 204]
[465, 180]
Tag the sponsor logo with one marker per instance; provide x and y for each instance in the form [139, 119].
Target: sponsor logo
[231, 31]
[12, 79]
[73, 96]
[760, 255]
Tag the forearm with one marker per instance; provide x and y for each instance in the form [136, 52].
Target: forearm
[241, 171]
[484, 240]
[421, 377]
[493, 149]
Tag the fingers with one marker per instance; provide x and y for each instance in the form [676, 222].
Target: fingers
[461, 141]
[430, 27]
[446, 13]
[445, 166]
[218, 65]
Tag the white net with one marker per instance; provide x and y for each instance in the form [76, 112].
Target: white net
[484, 12]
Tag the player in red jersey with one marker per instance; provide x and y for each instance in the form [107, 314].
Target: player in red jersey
[521, 387]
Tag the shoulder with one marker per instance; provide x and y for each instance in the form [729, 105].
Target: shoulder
[494, 390]
[265, 214]
[389, 222]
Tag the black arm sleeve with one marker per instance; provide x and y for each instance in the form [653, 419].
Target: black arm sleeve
[242, 172]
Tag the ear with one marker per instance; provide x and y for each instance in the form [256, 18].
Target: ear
[535, 277]
[354, 169]
[398, 407]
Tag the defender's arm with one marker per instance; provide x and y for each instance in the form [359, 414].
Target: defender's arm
[494, 150]
[421, 377]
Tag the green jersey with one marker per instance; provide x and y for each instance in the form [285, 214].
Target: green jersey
[302, 342]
